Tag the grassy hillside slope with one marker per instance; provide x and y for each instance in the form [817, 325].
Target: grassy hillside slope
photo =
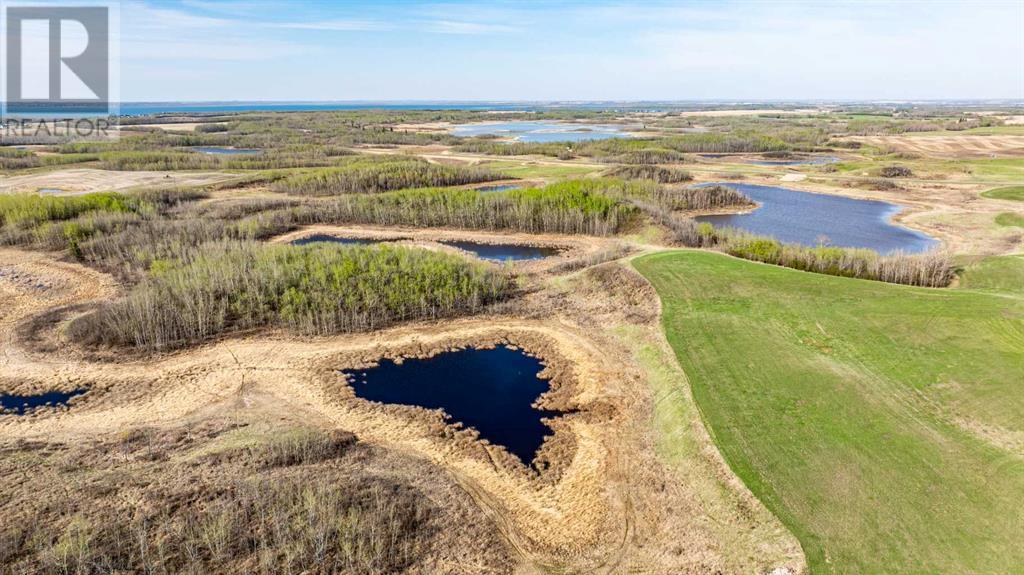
[883, 424]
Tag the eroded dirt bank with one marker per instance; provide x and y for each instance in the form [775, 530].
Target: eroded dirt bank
[606, 500]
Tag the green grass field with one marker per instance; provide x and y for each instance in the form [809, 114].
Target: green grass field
[1007, 193]
[883, 424]
[1010, 219]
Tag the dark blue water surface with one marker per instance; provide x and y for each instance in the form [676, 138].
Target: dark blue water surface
[315, 238]
[19, 404]
[805, 218]
[225, 151]
[541, 131]
[490, 390]
[504, 252]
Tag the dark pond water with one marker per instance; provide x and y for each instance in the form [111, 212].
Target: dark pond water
[317, 238]
[811, 161]
[805, 218]
[800, 161]
[504, 252]
[225, 151]
[501, 188]
[540, 131]
[490, 390]
[19, 404]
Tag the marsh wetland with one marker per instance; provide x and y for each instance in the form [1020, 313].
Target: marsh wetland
[409, 340]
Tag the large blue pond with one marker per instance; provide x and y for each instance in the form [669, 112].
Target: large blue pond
[490, 390]
[806, 218]
[539, 131]
[20, 404]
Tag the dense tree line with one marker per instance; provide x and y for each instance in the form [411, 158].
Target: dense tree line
[315, 289]
[572, 207]
[374, 175]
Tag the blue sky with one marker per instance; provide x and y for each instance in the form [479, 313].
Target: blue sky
[263, 50]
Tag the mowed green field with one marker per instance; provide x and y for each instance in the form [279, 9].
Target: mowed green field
[883, 424]
[1007, 193]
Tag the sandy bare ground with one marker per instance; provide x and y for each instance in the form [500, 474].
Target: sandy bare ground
[85, 180]
[608, 504]
[960, 146]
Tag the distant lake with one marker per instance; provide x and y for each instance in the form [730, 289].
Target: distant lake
[804, 217]
[528, 131]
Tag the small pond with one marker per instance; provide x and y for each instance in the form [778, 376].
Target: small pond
[500, 188]
[225, 151]
[48, 191]
[805, 218]
[327, 238]
[795, 161]
[540, 131]
[801, 161]
[490, 390]
[504, 252]
[20, 404]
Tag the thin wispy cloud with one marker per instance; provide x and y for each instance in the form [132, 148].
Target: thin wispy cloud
[334, 25]
[470, 28]
[570, 50]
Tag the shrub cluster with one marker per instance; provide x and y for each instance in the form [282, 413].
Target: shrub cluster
[896, 172]
[704, 198]
[651, 172]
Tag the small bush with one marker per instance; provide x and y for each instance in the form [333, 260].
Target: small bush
[896, 172]
[649, 172]
[879, 184]
[211, 128]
